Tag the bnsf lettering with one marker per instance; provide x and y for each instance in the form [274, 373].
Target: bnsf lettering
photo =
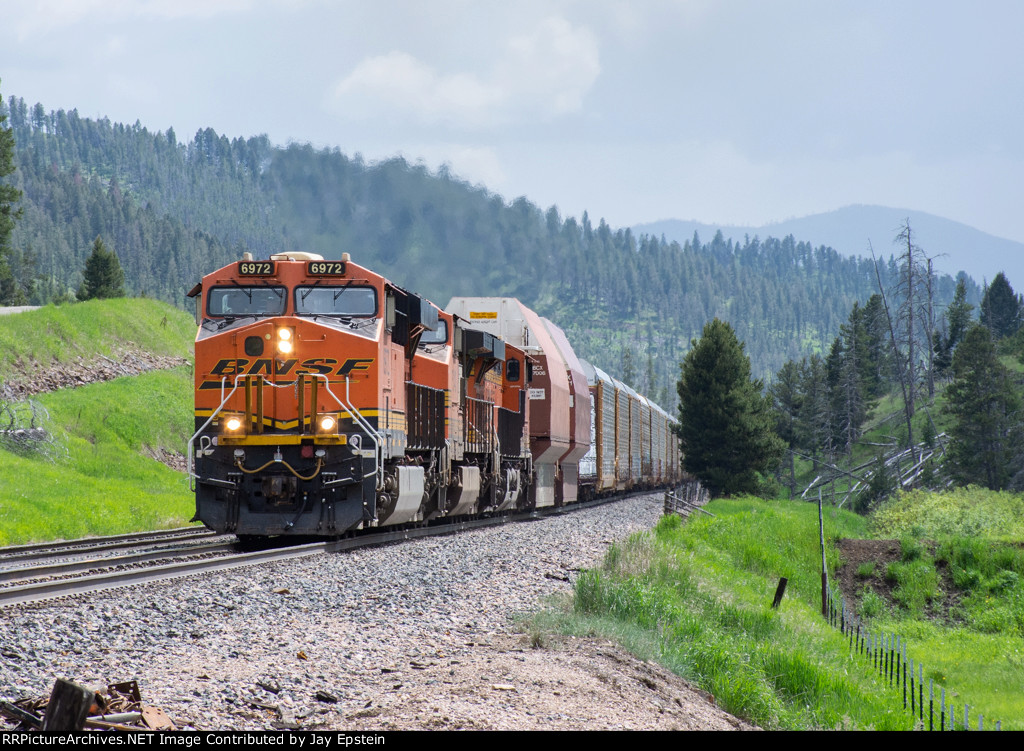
[229, 367]
[261, 366]
[321, 365]
[354, 364]
[314, 365]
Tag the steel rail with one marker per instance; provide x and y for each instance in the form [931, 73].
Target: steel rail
[125, 578]
[89, 545]
[90, 564]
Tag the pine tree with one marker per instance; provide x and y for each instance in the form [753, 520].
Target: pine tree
[1001, 308]
[103, 275]
[814, 428]
[987, 434]
[787, 399]
[878, 367]
[848, 368]
[726, 424]
[10, 292]
[958, 316]
[628, 367]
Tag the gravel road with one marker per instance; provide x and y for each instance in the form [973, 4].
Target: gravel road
[410, 636]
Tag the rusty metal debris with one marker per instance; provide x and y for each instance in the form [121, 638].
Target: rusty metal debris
[73, 707]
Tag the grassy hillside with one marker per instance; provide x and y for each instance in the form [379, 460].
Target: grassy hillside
[98, 472]
[957, 591]
[697, 598]
[89, 329]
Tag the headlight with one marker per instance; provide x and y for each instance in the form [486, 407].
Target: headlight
[284, 340]
[327, 424]
[233, 424]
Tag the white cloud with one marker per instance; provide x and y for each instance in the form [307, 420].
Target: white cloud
[544, 74]
[398, 81]
[41, 16]
[554, 66]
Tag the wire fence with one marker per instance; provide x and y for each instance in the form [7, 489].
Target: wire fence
[887, 654]
[688, 497]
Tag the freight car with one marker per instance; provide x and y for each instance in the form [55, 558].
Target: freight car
[329, 399]
[633, 444]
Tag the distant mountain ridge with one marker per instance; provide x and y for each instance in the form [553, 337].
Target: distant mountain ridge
[955, 246]
[175, 210]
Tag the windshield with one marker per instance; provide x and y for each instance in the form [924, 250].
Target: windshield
[348, 301]
[246, 301]
[440, 336]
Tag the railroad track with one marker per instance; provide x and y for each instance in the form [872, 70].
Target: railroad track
[45, 551]
[22, 581]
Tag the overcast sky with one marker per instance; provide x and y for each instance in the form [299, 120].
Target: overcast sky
[723, 112]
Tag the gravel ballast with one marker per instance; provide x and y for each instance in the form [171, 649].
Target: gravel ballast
[410, 636]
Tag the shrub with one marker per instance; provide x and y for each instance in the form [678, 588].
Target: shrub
[871, 605]
[910, 548]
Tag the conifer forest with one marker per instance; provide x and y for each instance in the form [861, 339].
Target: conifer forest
[172, 210]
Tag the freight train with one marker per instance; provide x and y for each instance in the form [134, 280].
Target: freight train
[328, 399]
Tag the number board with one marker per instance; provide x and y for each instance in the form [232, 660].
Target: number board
[255, 268]
[325, 268]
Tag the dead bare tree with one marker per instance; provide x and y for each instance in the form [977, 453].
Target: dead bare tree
[930, 327]
[910, 312]
[908, 287]
[901, 371]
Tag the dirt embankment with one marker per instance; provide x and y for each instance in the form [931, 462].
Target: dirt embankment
[37, 378]
[865, 563]
[34, 378]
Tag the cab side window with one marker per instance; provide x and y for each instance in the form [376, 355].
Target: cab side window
[512, 371]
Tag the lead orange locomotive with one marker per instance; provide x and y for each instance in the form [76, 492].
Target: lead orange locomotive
[329, 399]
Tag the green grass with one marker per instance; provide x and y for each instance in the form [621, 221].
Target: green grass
[871, 604]
[960, 512]
[98, 474]
[917, 584]
[96, 327]
[979, 658]
[103, 479]
[866, 570]
[984, 670]
[697, 598]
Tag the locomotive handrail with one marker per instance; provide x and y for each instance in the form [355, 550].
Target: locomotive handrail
[192, 476]
[446, 463]
[378, 469]
[361, 421]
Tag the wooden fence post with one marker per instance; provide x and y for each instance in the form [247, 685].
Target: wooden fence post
[779, 592]
[824, 570]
